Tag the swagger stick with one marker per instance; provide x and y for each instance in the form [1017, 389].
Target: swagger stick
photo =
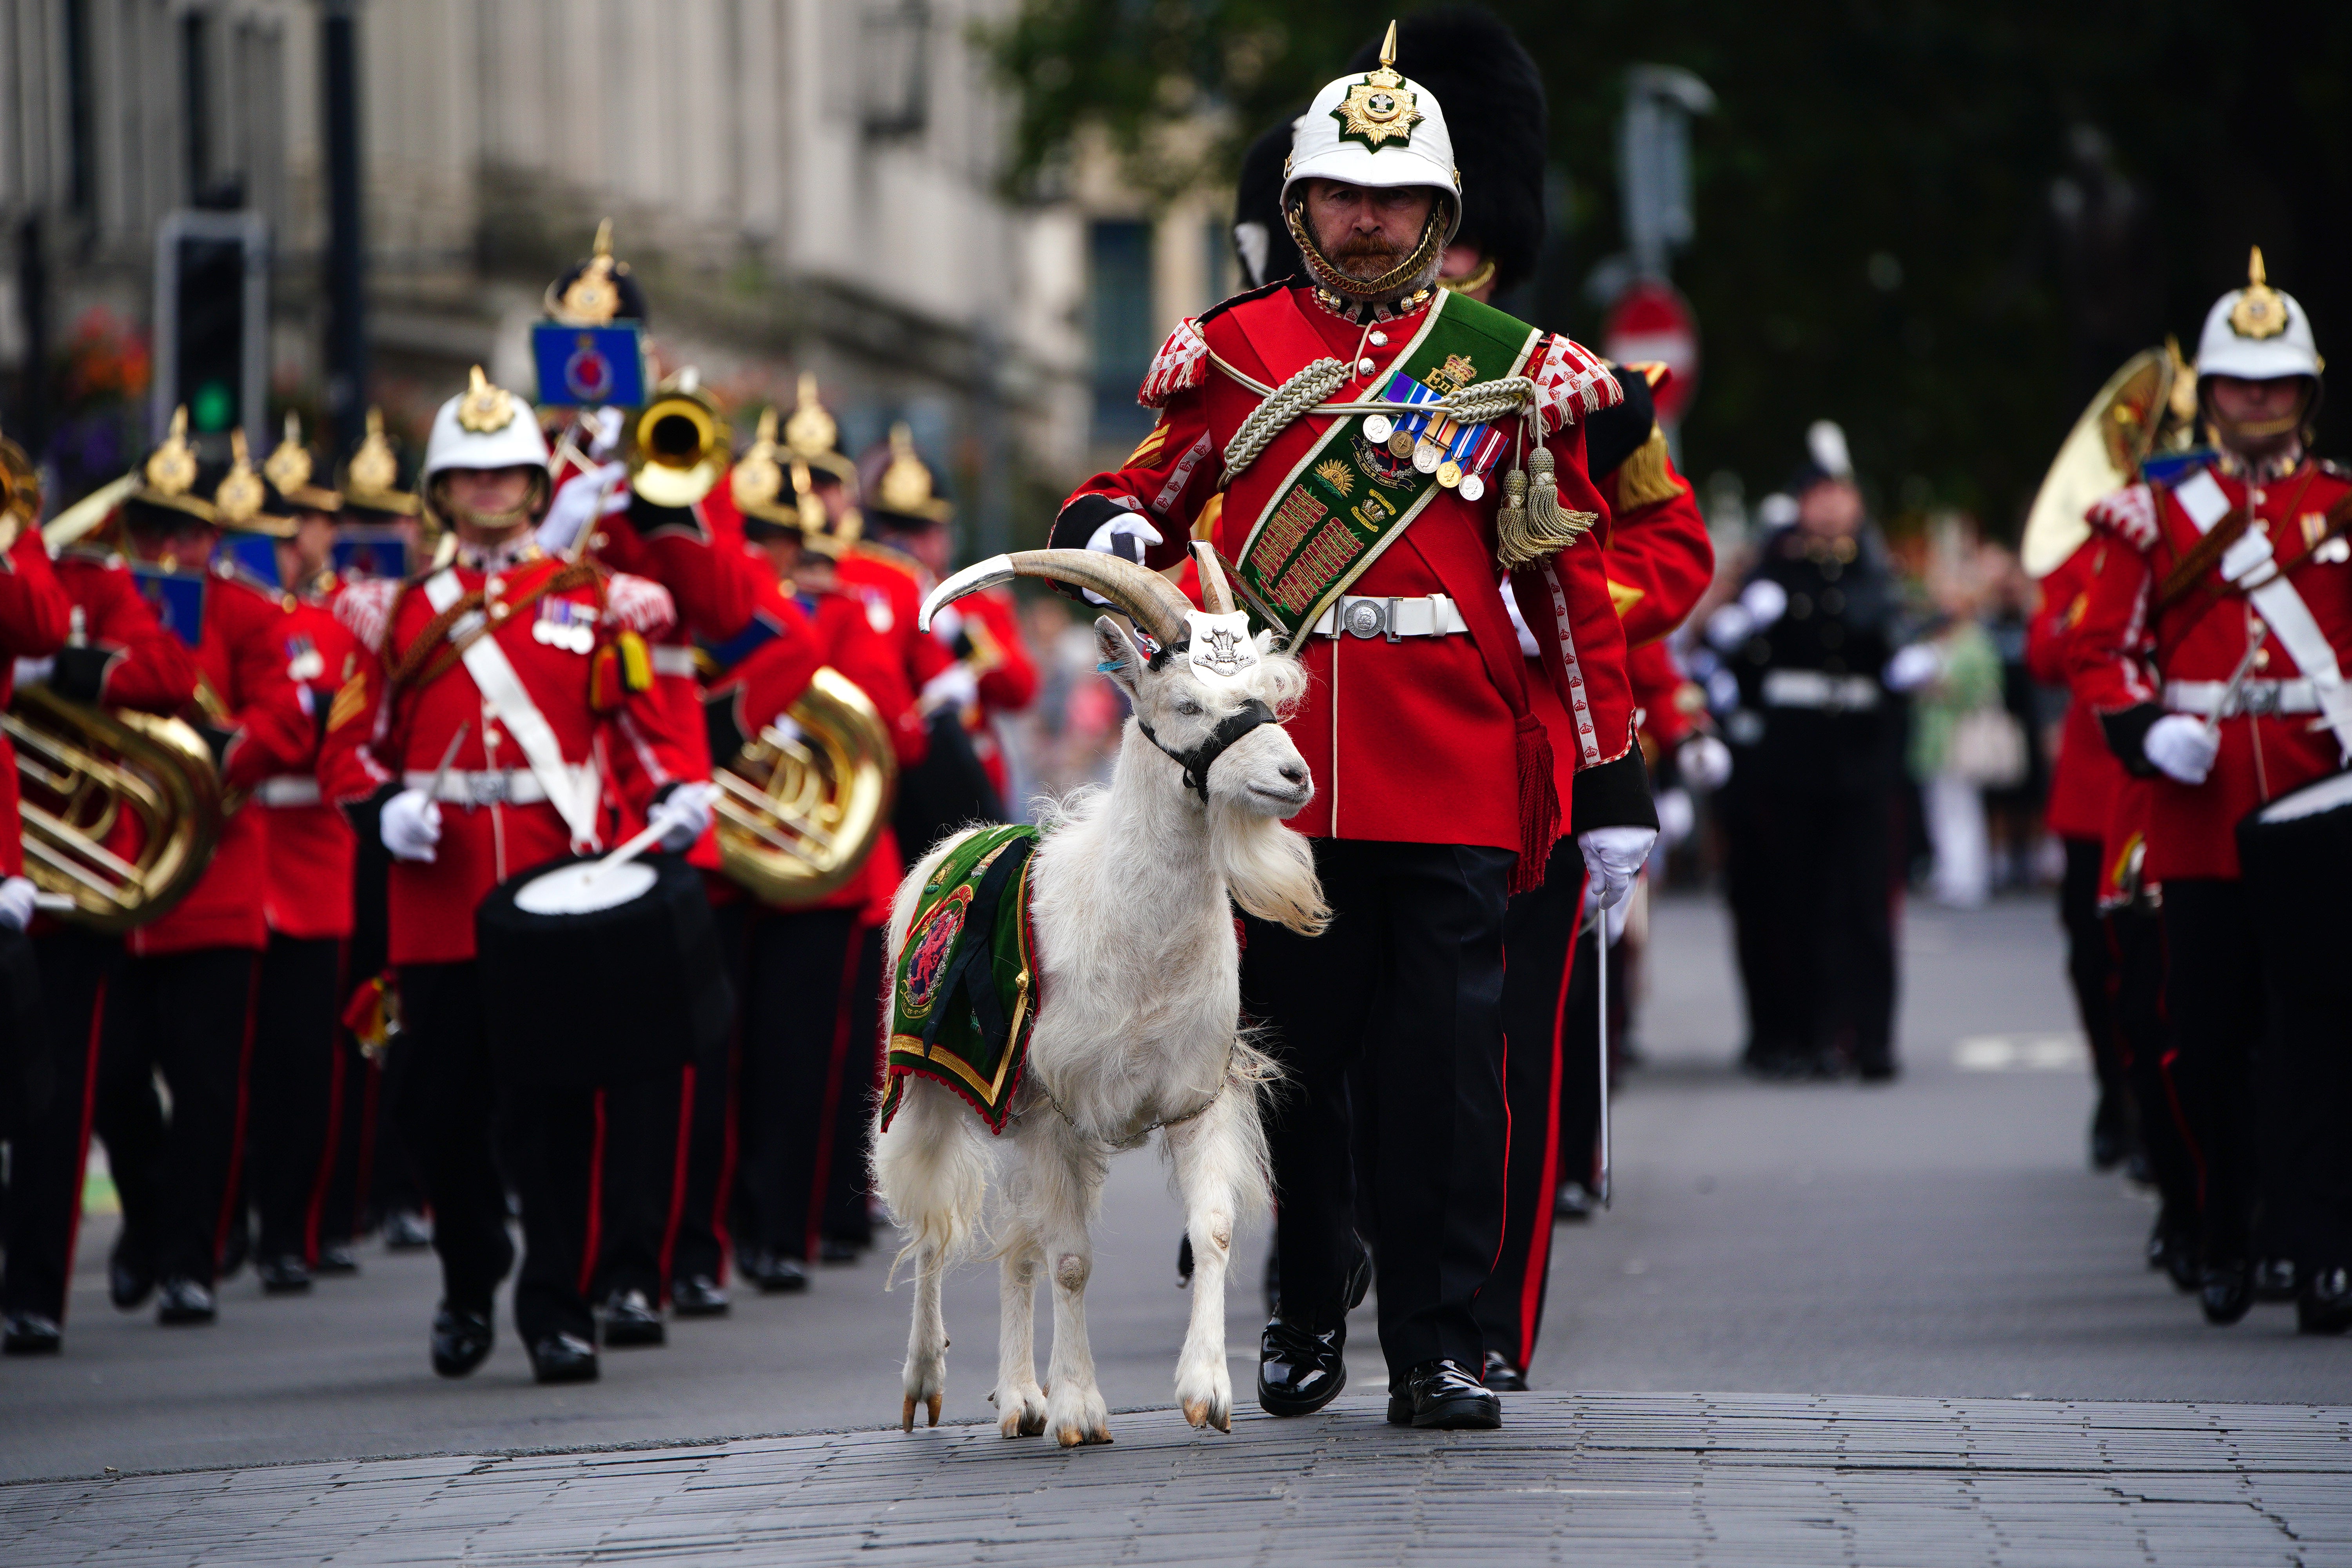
[2237, 682]
[1601, 977]
[448, 755]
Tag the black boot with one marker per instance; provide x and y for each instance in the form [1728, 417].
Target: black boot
[772, 1273]
[630, 1320]
[2225, 1291]
[462, 1338]
[2274, 1279]
[32, 1334]
[2324, 1306]
[404, 1230]
[282, 1276]
[336, 1258]
[129, 1275]
[697, 1296]
[1441, 1395]
[563, 1358]
[2172, 1247]
[2111, 1132]
[1502, 1376]
[179, 1302]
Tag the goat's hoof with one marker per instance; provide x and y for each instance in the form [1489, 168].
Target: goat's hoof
[932, 1405]
[1203, 1413]
[906, 1417]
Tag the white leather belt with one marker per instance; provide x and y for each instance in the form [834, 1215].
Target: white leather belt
[2204, 697]
[1817, 688]
[491, 787]
[287, 789]
[1433, 617]
[673, 659]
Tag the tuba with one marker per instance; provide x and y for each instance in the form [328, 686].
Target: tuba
[798, 813]
[2147, 406]
[120, 809]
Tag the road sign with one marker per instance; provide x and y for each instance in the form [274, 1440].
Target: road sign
[1652, 321]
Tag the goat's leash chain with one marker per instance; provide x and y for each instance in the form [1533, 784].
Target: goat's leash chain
[1480, 402]
[1135, 1139]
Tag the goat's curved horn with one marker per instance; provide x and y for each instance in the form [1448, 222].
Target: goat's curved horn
[1217, 598]
[1147, 599]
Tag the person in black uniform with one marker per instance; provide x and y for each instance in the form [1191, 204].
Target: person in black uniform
[1814, 648]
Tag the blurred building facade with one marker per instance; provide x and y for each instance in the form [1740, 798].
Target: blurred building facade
[801, 186]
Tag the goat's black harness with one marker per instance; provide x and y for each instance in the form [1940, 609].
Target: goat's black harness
[1197, 762]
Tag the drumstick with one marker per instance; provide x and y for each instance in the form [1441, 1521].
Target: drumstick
[2237, 682]
[433, 787]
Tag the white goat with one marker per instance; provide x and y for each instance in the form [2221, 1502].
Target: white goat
[1139, 1025]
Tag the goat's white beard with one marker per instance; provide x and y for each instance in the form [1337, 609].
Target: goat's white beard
[1267, 868]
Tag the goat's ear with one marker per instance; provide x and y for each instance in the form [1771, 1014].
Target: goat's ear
[1116, 654]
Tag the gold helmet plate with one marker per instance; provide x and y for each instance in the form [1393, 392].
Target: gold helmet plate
[1378, 109]
[2259, 312]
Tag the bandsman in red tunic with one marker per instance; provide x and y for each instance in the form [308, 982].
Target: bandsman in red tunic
[186, 1001]
[1380, 453]
[509, 720]
[2236, 576]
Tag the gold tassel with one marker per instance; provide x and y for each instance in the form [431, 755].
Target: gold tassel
[1532, 524]
[1644, 478]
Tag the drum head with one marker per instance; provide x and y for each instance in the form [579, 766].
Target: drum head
[582, 890]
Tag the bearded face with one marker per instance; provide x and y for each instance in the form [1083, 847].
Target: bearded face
[1367, 232]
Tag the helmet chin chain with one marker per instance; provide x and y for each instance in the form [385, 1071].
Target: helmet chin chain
[1413, 272]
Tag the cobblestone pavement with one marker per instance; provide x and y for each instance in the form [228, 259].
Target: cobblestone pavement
[1619, 1479]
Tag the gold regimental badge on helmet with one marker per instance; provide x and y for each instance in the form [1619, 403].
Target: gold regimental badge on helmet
[289, 467]
[811, 431]
[171, 469]
[238, 500]
[2259, 312]
[759, 478]
[486, 408]
[374, 470]
[905, 486]
[592, 299]
[1378, 109]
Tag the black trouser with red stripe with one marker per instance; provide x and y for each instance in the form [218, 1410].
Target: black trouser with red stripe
[2213, 994]
[1408, 980]
[1540, 1052]
[848, 1217]
[700, 1239]
[640, 1183]
[799, 1058]
[190, 1016]
[46, 1155]
[300, 1079]
[2142, 1046]
[2091, 967]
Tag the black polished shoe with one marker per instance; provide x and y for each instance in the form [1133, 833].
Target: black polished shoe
[336, 1258]
[838, 1249]
[1441, 1395]
[404, 1230]
[1878, 1066]
[697, 1296]
[563, 1358]
[2172, 1247]
[183, 1302]
[2274, 1281]
[2111, 1139]
[1502, 1376]
[286, 1275]
[774, 1275]
[130, 1277]
[1573, 1204]
[462, 1338]
[630, 1320]
[2226, 1291]
[2324, 1306]
[1300, 1370]
[32, 1334]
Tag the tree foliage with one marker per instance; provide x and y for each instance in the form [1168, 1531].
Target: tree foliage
[1886, 230]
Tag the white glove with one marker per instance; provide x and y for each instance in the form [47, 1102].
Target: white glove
[412, 826]
[1676, 814]
[1760, 603]
[1124, 536]
[2245, 558]
[586, 496]
[16, 895]
[1704, 762]
[1613, 857]
[2182, 748]
[607, 439]
[1912, 667]
[947, 624]
[35, 671]
[955, 687]
[684, 814]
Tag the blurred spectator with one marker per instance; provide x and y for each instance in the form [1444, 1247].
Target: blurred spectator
[1964, 740]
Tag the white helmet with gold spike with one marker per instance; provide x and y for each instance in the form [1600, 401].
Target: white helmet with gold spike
[2257, 333]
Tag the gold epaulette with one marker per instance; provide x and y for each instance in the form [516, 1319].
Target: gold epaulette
[1644, 478]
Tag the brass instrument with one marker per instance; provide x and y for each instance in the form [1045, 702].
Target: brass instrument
[680, 445]
[85, 773]
[2150, 405]
[797, 815]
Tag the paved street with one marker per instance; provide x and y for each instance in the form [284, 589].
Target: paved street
[1914, 1312]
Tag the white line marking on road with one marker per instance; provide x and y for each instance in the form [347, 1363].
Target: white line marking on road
[2021, 1053]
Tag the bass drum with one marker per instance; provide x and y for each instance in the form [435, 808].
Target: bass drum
[2296, 855]
[595, 979]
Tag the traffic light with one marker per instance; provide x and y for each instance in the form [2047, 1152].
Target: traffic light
[212, 320]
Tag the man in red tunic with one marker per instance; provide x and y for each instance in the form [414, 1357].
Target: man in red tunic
[519, 669]
[2236, 570]
[1356, 431]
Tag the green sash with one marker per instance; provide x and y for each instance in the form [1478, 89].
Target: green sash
[963, 988]
[1348, 498]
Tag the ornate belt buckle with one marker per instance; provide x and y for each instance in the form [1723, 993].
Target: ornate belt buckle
[2260, 699]
[490, 788]
[1365, 618]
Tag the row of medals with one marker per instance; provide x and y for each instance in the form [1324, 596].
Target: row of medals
[1428, 457]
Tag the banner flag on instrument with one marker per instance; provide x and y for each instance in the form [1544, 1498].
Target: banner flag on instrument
[591, 366]
[176, 597]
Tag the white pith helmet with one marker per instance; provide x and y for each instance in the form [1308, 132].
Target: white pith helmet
[484, 426]
[2257, 332]
[1380, 129]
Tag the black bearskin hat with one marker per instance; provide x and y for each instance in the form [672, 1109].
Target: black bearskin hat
[1493, 97]
[1261, 239]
